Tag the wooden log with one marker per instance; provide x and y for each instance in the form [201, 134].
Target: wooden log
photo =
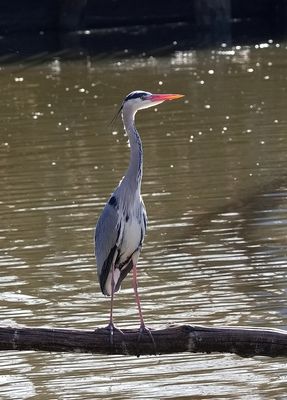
[245, 342]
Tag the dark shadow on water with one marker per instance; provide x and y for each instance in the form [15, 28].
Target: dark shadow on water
[143, 40]
[247, 204]
[254, 225]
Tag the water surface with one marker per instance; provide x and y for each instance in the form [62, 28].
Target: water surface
[215, 191]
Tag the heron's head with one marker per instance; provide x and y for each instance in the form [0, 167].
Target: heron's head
[139, 99]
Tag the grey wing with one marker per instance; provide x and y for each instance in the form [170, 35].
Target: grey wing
[106, 238]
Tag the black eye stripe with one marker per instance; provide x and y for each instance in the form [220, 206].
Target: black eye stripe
[136, 95]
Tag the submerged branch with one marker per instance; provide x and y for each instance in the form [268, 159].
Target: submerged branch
[245, 342]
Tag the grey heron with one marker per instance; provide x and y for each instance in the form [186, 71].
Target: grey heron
[121, 227]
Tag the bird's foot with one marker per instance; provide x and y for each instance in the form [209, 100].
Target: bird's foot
[145, 330]
[112, 328]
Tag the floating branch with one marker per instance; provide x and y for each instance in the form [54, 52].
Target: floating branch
[245, 342]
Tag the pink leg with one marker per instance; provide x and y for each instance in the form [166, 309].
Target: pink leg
[135, 286]
[111, 323]
[143, 328]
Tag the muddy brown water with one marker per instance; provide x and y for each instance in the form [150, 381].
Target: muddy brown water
[215, 178]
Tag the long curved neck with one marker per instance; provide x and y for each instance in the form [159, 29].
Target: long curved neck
[134, 172]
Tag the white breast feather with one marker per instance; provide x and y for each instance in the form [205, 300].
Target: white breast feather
[131, 238]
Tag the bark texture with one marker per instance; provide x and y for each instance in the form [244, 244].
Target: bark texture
[245, 342]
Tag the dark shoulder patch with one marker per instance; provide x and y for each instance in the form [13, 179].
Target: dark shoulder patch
[113, 202]
[127, 218]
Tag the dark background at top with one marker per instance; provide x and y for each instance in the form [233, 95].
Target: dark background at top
[34, 27]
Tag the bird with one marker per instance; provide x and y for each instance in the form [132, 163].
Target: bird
[122, 225]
